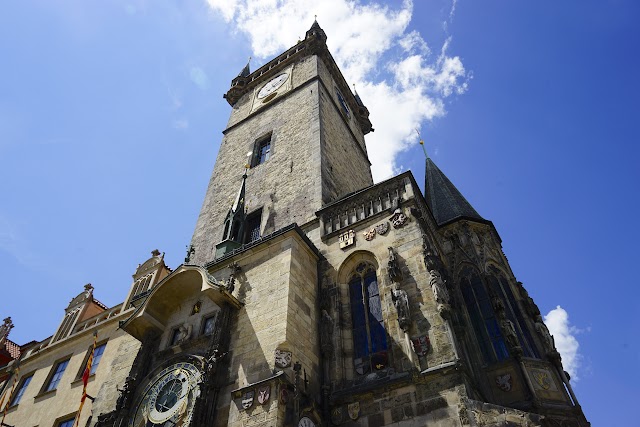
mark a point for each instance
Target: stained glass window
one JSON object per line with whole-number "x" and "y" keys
{"x": 369, "y": 334}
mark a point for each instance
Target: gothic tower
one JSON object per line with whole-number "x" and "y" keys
{"x": 311, "y": 296}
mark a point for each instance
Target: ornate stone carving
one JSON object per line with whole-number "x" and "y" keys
{"x": 530, "y": 306}
{"x": 369, "y": 234}
{"x": 190, "y": 251}
{"x": 5, "y": 328}
{"x": 398, "y": 219}
{"x": 382, "y": 228}
{"x": 235, "y": 270}
{"x": 548, "y": 342}
{"x": 510, "y": 336}
{"x": 401, "y": 302}
{"x": 348, "y": 238}
{"x": 326, "y": 334}
{"x": 392, "y": 266}
{"x": 126, "y": 392}
{"x": 438, "y": 287}
{"x": 184, "y": 333}
{"x": 504, "y": 382}
{"x": 282, "y": 358}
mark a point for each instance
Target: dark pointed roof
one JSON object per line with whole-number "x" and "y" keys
{"x": 245, "y": 71}
{"x": 358, "y": 100}
{"x": 444, "y": 199}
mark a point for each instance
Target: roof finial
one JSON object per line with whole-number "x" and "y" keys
{"x": 422, "y": 143}
{"x": 315, "y": 18}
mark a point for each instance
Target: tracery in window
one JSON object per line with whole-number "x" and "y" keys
{"x": 369, "y": 335}
{"x": 483, "y": 319}
{"x": 501, "y": 288}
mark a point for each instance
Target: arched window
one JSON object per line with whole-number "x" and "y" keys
{"x": 501, "y": 288}
{"x": 483, "y": 318}
{"x": 369, "y": 336}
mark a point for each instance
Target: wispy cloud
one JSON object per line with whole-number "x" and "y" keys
{"x": 564, "y": 334}
{"x": 181, "y": 124}
{"x": 199, "y": 77}
{"x": 391, "y": 66}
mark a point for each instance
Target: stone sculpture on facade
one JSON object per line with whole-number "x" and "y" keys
{"x": 326, "y": 334}
{"x": 392, "y": 266}
{"x": 548, "y": 342}
{"x": 231, "y": 283}
{"x": 184, "y": 333}
{"x": 438, "y": 287}
{"x": 510, "y": 335}
{"x": 401, "y": 302}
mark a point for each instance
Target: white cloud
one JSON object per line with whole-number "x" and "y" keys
{"x": 181, "y": 124}
{"x": 564, "y": 334}
{"x": 199, "y": 77}
{"x": 370, "y": 42}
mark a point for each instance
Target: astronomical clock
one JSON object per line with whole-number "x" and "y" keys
{"x": 169, "y": 398}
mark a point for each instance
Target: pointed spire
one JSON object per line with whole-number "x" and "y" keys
{"x": 315, "y": 31}
{"x": 234, "y": 222}
{"x": 444, "y": 199}
{"x": 245, "y": 71}
{"x": 358, "y": 100}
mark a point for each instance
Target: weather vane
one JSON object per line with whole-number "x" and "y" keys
{"x": 422, "y": 143}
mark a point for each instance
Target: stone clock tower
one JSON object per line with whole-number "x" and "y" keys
{"x": 312, "y": 296}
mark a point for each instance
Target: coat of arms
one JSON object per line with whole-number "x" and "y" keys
{"x": 263, "y": 394}
{"x": 421, "y": 345}
{"x": 347, "y": 239}
{"x": 354, "y": 410}
{"x": 504, "y": 382}
{"x": 247, "y": 399}
{"x": 398, "y": 219}
{"x": 336, "y": 415}
{"x": 381, "y": 229}
{"x": 543, "y": 379}
{"x": 369, "y": 234}
{"x": 283, "y": 358}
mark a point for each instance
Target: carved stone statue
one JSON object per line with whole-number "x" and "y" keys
{"x": 235, "y": 269}
{"x": 392, "y": 266}
{"x": 326, "y": 334}
{"x": 530, "y": 306}
{"x": 509, "y": 331}
{"x": 401, "y": 302}
{"x": 438, "y": 287}
{"x": 125, "y": 392}
{"x": 185, "y": 333}
{"x": 547, "y": 339}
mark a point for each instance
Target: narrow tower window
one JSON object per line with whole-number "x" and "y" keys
{"x": 253, "y": 226}
{"x": 262, "y": 151}
{"x": 369, "y": 336}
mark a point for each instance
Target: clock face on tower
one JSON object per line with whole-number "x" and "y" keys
{"x": 272, "y": 85}
{"x": 169, "y": 398}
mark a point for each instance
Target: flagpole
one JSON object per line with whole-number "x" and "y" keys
{"x": 85, "y": 379}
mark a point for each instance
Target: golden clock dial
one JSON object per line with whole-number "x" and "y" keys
{"x": 169, "y": 398}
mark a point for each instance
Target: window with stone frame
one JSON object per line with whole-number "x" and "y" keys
{"x": 22, "y": 387}
{"x": 208, "y": 324}
{"x": 253, "y": 224}
{"x": 261, "y": 151}
{"x": 97, "y": 356}
{"x": 483, "y": 318}
{"x": 370, "y": 348}
{"x": 55, "y": 375}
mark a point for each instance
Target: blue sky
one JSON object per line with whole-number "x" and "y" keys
{"x": 111, "y": 116}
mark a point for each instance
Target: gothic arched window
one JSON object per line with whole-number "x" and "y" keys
{"x": 369, "y": 336}
{"x": 501, "y": 288}
{"x": 483, "y": 317}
